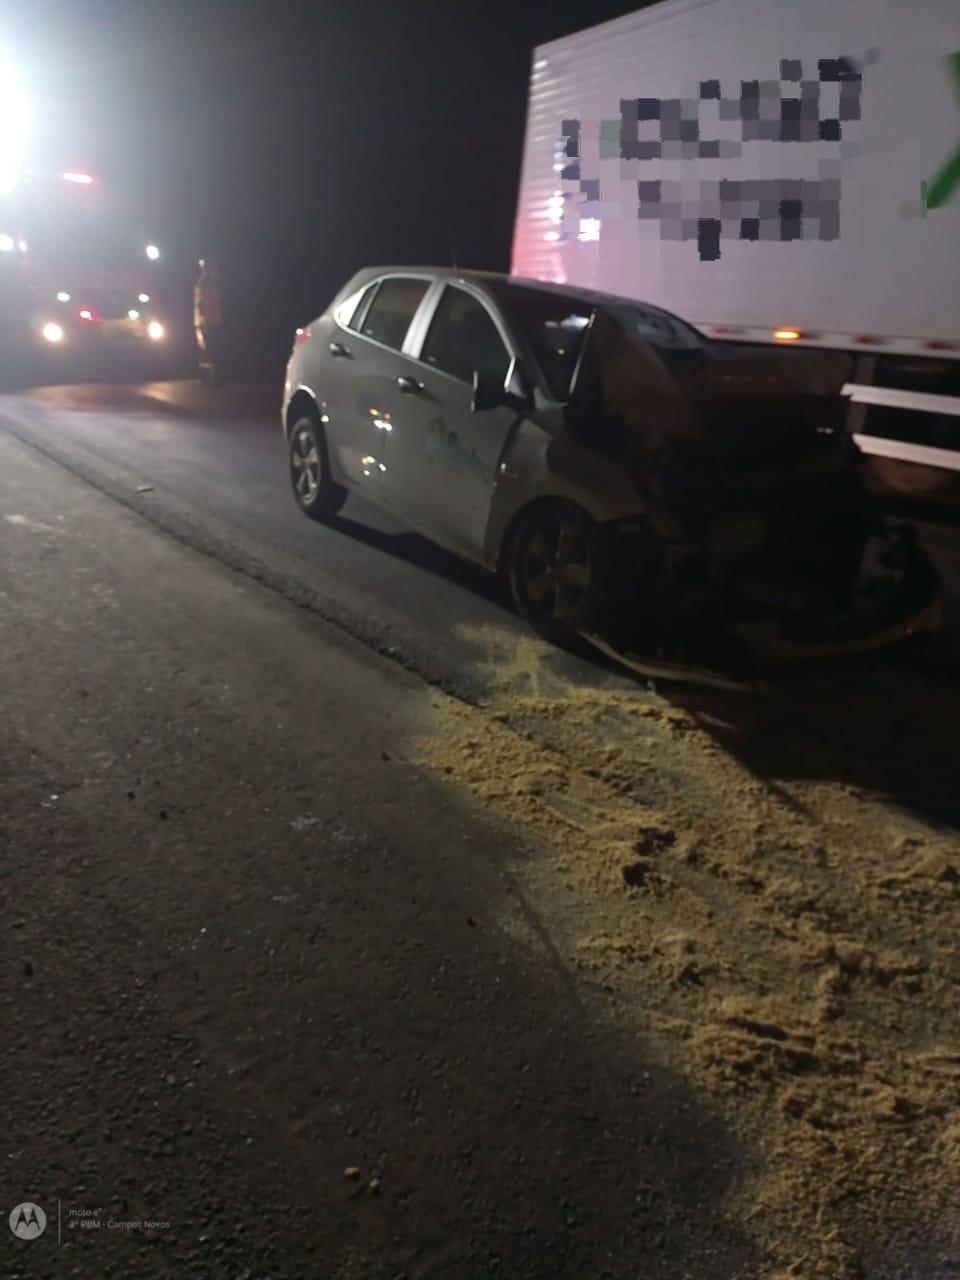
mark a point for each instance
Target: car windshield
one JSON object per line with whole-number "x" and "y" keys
{"x": 66, "y": 226}
{"x": 663, "y": 331}
{"x": 554, "y": 326}
{"x": 680, "y": 347}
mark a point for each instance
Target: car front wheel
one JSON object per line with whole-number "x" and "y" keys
{"x": 315, "y": 492}
{"x": 560, "y": 568}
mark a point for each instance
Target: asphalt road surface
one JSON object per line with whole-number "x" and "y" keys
{"x": 215, "y": 462}
{"x": 269, "y": 1009}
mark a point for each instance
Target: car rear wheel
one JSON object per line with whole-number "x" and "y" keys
{"x": 316, "y": 494}
{"x": 559, "y": 568}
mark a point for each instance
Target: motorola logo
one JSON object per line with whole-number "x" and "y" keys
{"x": 27, "y": 1221}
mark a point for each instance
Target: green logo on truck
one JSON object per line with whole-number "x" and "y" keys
{"x": 943, "y": 185}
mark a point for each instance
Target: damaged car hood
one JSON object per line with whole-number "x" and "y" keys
{"x": 681, "y": 388}
{"x": 770, "y": 406}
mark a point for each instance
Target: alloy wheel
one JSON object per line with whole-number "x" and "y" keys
{"x": 557, "y": 568}
{"x": 305, "y": 461}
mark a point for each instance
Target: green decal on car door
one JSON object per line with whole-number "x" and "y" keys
{"x": 446, "y": 447}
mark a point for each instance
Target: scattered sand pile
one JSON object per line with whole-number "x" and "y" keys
{"x": 797, "y": 944}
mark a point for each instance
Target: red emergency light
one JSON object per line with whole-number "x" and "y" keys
{"x": 83, "y": 179}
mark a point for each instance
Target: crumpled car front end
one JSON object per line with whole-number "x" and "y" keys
{"x": 775, "y": 537}
{"x": 894, "y": 594}
{"x": 752, "y": 518}
{"x": 803, "y": 562}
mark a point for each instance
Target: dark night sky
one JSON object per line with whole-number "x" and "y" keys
{"x": 297, "y": 141}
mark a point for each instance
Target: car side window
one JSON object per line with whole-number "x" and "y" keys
{"x": 389, "y": 315}
{"x": 463, "y": 338}
{"x": 360, "y": 310}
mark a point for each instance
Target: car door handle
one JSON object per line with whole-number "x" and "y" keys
{"x": 338, "y": 349}
{"x": 410, "y": 385}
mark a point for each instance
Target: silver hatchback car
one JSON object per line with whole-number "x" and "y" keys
{"x": 603, "y": 456}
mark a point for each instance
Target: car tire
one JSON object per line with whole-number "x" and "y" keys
{"x": 560, "y": 571}
{"x": 314, "y": 491}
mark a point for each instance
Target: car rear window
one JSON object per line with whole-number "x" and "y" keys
{"x": 360, "y": 306}
{"x": 389, "y": 315}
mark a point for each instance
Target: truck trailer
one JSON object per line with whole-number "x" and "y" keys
{"x": 775, "y": 173}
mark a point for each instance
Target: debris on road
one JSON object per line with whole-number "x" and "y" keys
{"x": 791, "y": 941}
{"x": 306, "y": 822}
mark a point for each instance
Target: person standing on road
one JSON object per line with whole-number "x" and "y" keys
{"x": 208, "y": 321}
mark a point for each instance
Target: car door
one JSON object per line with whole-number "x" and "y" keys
{"x": 362, "y": 362}
{"x": 442, "y": 457}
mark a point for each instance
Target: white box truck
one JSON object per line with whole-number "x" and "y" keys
{"x": 775, "y": 172}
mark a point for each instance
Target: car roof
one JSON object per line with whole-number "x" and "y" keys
{"x": 453, "y": 274}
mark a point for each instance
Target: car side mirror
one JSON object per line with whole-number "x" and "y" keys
{"x": 488, "y": 393}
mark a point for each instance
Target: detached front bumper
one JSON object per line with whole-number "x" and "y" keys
{"x": 900, "y": 597}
